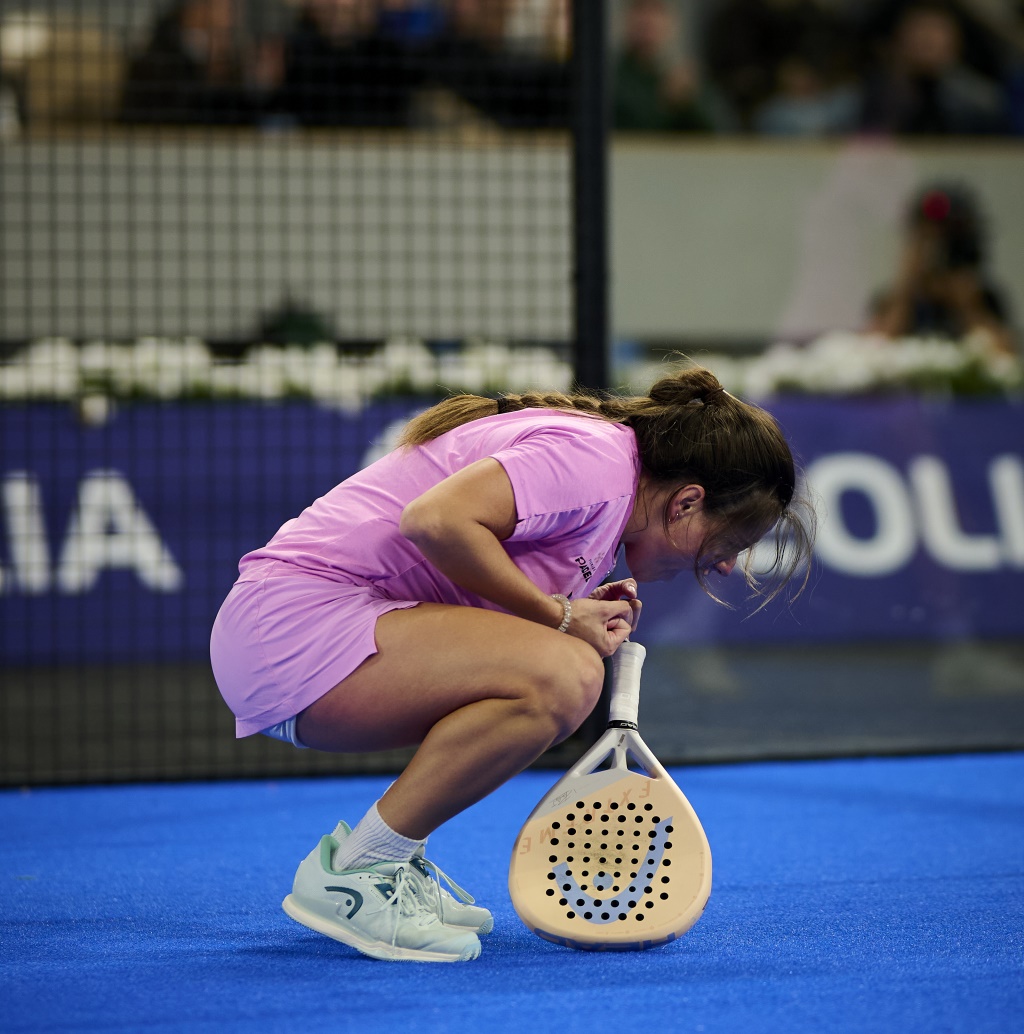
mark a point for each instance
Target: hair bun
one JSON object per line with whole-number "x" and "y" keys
{"x": 693, "y": 385}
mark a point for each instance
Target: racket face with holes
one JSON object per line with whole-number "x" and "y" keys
{"x": 612, "y": 859}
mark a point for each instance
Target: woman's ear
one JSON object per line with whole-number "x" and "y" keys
{"x": 686, "y": 501}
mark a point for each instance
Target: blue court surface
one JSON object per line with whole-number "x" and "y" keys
{"x": 856, "y": 895}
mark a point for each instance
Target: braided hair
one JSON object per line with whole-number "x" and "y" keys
{"x": 689, "y": 430}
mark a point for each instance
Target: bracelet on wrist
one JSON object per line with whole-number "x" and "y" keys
{"x": 566, "y": 611}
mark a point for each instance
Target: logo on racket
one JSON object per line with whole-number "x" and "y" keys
{"x": 623, "y": 899}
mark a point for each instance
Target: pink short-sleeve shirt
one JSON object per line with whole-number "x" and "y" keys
{"x": 574, "y": 478}
{"x": 302, "y": 614}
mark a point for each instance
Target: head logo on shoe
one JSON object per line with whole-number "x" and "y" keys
{"x": 354, "y": 903}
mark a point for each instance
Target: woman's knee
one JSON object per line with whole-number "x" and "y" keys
{"x": 569, "y": 687}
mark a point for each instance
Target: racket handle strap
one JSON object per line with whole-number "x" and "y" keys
{"x": 627, "y": 663}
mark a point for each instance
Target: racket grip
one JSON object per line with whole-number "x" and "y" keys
{"x": 627, "y": 662}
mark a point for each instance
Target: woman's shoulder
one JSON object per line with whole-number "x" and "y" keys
{"x": 579, "y": 424}
{"x": 563, "y": 430}
{"x": 569, "y": 440}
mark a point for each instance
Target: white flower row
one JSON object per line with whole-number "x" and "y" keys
{"x": 858, "y": 364}
{"x": 836, "y": 364}
{"x": 57, "y": 369}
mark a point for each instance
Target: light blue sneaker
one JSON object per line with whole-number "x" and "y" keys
{"x": 380, "y": 911}
{"x": 455, "y": 910}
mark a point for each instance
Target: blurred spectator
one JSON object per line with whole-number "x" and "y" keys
{"x": 413, "y": 23}
{"x": 361, "y": 63}
{"x": 941, "y": 287}
{"x": 354, "y": 63}
{"x": 921, "y": 85}
{"x": 807, "y": 103}
{"x": 653, "y": 89}
{"x": 10, "y": 113}
{"x": 485, "y": 58}
{"x": 982, "y": 25}
{"x": 60, "y": 67}
{"x": 202, "y": 66}
{"x": 1003, "y": 23}
{"x": 748, "y": 42}
{"x": 539, "y": 27}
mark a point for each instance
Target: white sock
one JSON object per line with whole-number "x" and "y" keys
{"x": 372, "y": 841}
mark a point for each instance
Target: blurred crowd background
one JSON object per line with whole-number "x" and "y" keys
{"x": 804, "y": 68}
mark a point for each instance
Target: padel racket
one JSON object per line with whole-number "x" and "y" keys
{"x": 614, "y": 857}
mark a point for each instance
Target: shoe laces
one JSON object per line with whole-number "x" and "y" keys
{"x": 406, "y": 903}
{"x": 433, "y": 875}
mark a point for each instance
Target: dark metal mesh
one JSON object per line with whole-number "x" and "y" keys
{"x": 241, "y": 241}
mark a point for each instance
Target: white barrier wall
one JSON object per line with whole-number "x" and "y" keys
{"x": 118, "y": 236}
{"x": 175, "y": 233}
{"x": 753, "y": 240}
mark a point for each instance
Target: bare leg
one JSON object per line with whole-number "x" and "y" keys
{"x": 484, "y": 694}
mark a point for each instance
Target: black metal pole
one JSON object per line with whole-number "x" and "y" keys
{"x": 590, "y": 108}
{"x": 592, "y": 335}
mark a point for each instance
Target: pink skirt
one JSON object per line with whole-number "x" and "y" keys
{"x": 283, "y": 638}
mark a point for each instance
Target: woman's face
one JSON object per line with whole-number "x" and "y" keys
{"x": 657, "y": 552}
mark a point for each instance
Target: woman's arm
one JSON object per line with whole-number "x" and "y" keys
{"x": 459, "y": 526}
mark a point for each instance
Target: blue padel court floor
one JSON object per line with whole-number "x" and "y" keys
{"x": 866, "y": 895}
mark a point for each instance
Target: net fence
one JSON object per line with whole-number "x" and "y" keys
{"x": 241, "y": 243}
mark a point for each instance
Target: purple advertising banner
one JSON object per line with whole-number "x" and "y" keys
{"x": 118, "y": 542}
{"x": 921, "y": 529}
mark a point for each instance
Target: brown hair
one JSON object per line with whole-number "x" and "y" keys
{"x": 689, "y": 430}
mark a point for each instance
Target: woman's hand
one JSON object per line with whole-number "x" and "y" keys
{"x": 459, "y": 525}
{"x": 621, "y": 590}
{"x": 606, "y": 617}
{"x": 604, "y": 624}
